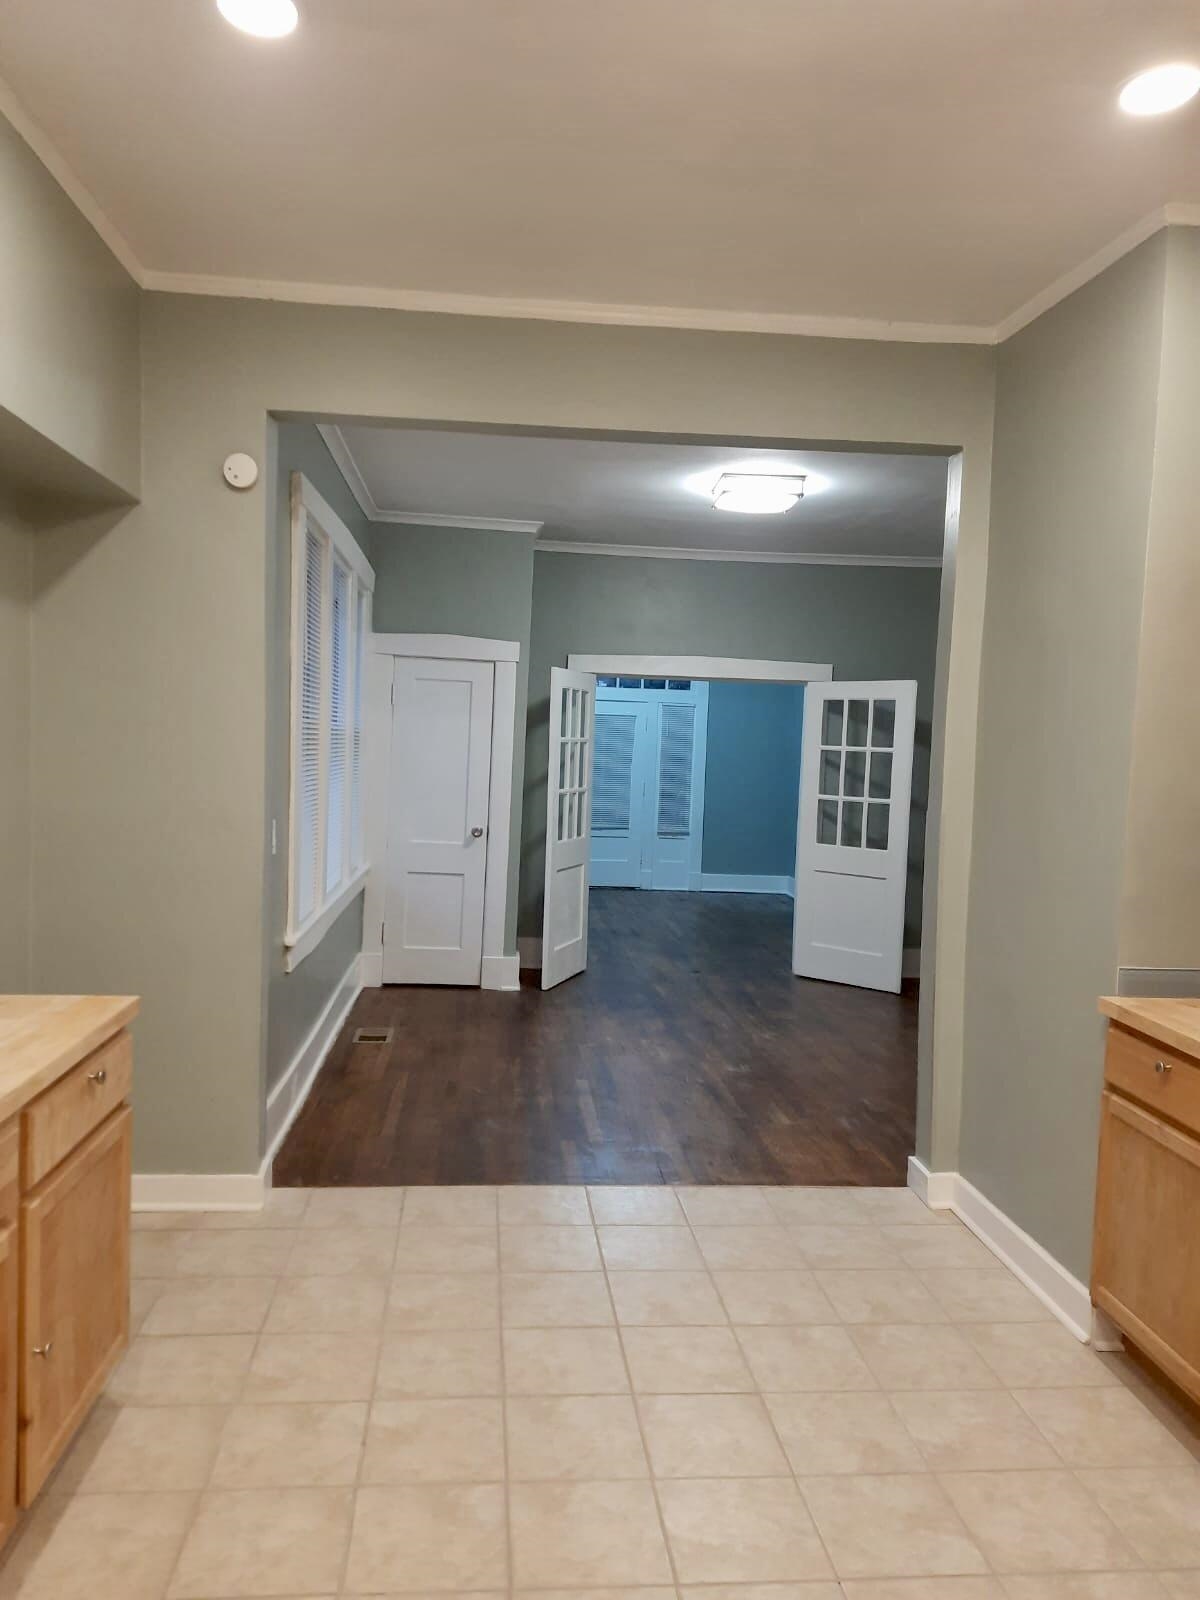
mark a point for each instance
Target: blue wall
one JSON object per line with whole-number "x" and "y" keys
{"x": 752, "y": 777}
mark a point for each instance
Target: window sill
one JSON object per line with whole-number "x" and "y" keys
{"x": 306, "y": 939}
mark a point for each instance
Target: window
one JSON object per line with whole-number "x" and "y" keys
{"x": 332, "y": 583}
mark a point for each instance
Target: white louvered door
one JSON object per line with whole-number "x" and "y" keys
{"x": 620, "y": 790}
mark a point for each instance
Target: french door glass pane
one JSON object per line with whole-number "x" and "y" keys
{"x": 852, "y": 822}
{"x": 856, "y": 772}
{"x": 878, "y": 821}
{"x": 881, "y": 774}
{"x": 883, "y": 725}
{"x": 831, "y": 722}
{"x": 827, "y": 820}
{"x": 831, "y": 772}
{"x": 858, "y": 714}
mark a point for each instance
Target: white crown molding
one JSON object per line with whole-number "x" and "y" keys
{"x": 805, "y": 558}
{"x": 335, "y": 441}
{"x": 441, "y": 519}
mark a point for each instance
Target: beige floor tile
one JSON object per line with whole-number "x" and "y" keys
{"x": 724, "y": 1205}
{"x": 610, "y": 1593}
{"x": 283, "y": 1208}
{"x": 969, "y": 1294}
{"x": 208, "y": 1369}
{"x": 586, "y": 1534}
{"x": 344, "y": 1304}
{"x": 936, "y": 1248}
{"x": 313, "y": 1367}
{"x": 976, "y": 1430}
{"x": 1106, "y": 1427}
{"x": 435, "y": 1441}
{"x": 900, "y": 1205}
{"x": 576, "y": 1436}
{"x": 210, "y": 1305}
{"x": 710, "y": 1436}
{"x": 548, "y": 1204}
{"x": 264, "y": 1542}
{"x": 894, "y": 1526}
{"x": 443, "y": 1300}
{"x": 666, "y": 1299}
{"x": 143, "y": 1295}
{"x": 740, "y": 1530}
{"x": 541, "y": 1248}
{"x": 787, "y": 1296}
{"x": 638, "y": 1248}
{"x": 154, "y": 1254}
{"x": 135, "y": 1448}
{"x": 633, "y": 1203}
{"x": 1158, "y": 1510}
{"x": 1177, "y": 1585}
{"x": 353, "y": 1208}
{"x": 923, "y": 1589}
{"x": 462, "y": 1205}
{"x": 97, "y": 1547}
{"x": 427, "y": 1536}
{"x": 563, "y": 1361}
{"x": 250, "y": 1253}
{"x": 685, "y": 1361}
{"x": 816, "y": 1589}
{"x": 743, "y": 1249}
{"x": 1035, "y": 1355}
{"x": 832, "y": 1245}
{"x": 833, "y": 1433}
{"x": 555, "y": 1300}
{"x": 290, "y": 1446}
{"x": 1091, "y": 1586}
{"x": 909, "y": 1356}
{"x": 816, "y": 1206}
{"x": 802, "y": 1359}
{"x": 449, "y": 1363}
{"x": 870, "y": 1296}
{"x": 341, "y": 1252}
{"x": 1037, "y": 1522}
{"x": 433, "y": 1248}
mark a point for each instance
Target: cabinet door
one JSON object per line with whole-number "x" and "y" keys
{"x": 1146, "y": 1259}
{"x": 9, "y": 1298}
{"x": 75, "y": 1302}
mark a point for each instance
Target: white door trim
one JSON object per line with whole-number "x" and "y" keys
{"x": 727, "y": 669}
{"x": 500, "y": 968}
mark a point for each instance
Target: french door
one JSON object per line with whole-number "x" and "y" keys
{"x": 852, "y": 832}
{"x": 568, "y": 824}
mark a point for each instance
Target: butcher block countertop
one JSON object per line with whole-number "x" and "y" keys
{"x": 44, "y": 1035}
{"x": 1175, "y": 1023}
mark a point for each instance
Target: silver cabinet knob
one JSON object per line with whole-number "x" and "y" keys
{"x": 99, "y": 1076}
{"x": 477, "y": 833}
{"x": 1162, "y": 1067}
{"x": 43, "y": 1350}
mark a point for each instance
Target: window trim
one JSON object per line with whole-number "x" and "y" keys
{"x": 310, "y": 511}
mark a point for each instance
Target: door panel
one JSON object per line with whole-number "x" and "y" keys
{"x": 852, "y": 832}
{"x": 10, "y": 1295}
{"x": 568, "y": 824}
{"x": 618, "y": 797}
{"x": 438, "y": 815}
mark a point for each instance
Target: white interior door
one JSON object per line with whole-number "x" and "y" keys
{"x": 619, "y": 785}
{"x": 438, "y": 819}
{"x": 568, "y": 824}
{"x": 852, "y": 832}
{"x": 680, "y": 729}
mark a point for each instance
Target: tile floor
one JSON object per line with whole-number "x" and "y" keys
{"x": 607, "y": 1394}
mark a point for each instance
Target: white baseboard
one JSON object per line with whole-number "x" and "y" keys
{"x": 1059, "y": 1290}
{"x": 371, "y": 967}
{"x": 501, "y": 972}
{"x": 292, "y": 1090}
{"x": 199, "y": 1191}
{"x": 529, "y": 951}
{"x": 743, "y": 883}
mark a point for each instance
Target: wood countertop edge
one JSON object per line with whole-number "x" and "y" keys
{"x": 100, "y": 1017}
{"x": 1158, "y": 1019}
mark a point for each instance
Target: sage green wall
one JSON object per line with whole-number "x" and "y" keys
{"x": 295, "y": 1000}
{"x": 468, "y": 581}
{"x": 69, "y": 320}
{"x": 16, "y": 646}
{"x": 870, "y": 622}
{"x": 1076, "y": 404}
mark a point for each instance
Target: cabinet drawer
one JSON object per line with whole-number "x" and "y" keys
{"x": 10, "y": 1171}
{"x": 1162, "y": 1079}
{"x": 54, "y": 1123}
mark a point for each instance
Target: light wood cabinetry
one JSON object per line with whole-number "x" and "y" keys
{"x": 1146, "y": 1248}
{"x": 65, "y": 1161}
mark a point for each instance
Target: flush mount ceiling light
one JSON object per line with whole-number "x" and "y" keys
{"x": 266, "y": 19}
{"x": 1161, "y": 89}
{"x": 757, "y": 493}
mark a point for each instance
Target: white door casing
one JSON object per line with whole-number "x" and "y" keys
{"x": 852, "y": 832}
{"x": 438, "y": 819}
{"x": 568, "y": 824}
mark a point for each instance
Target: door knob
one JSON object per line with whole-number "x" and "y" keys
{"x": 477, "y": 833}
{"x": 43, "y": 1350}
{"x": 1162, "y": 1067}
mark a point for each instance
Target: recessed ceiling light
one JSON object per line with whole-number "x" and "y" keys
{"x": 1161, "y": 89}
{"x": 756, "y": 493}
{"x": 267, "y": 19}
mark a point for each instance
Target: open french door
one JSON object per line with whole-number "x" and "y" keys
{"x": 568, "y": 824}
{"x": 852, "y": 832}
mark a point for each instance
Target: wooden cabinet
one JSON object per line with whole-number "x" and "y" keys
{"x": 9, "y": 1376}
{"x": 1146, "y": 1249}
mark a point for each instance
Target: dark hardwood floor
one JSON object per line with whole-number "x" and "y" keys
{"x": 686, "y": 1053}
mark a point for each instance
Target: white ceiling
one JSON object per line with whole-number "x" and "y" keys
{"x": 932, "y": 162}
{"x": 631, "y": 494}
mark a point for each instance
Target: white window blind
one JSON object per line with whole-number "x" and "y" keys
{"x": 332, "y": 583}
{"x": 677, "y": 737}
{"x": 612, "y": 775}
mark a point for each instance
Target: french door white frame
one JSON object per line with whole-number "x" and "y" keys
{"x": 725, "y": 669}
{"x": 499, "y": 970}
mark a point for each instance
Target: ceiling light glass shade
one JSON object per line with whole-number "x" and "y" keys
{"x": 1161, "y": 89}
{"x": 756, "y": 494}
{"x": 267, "y": 19}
